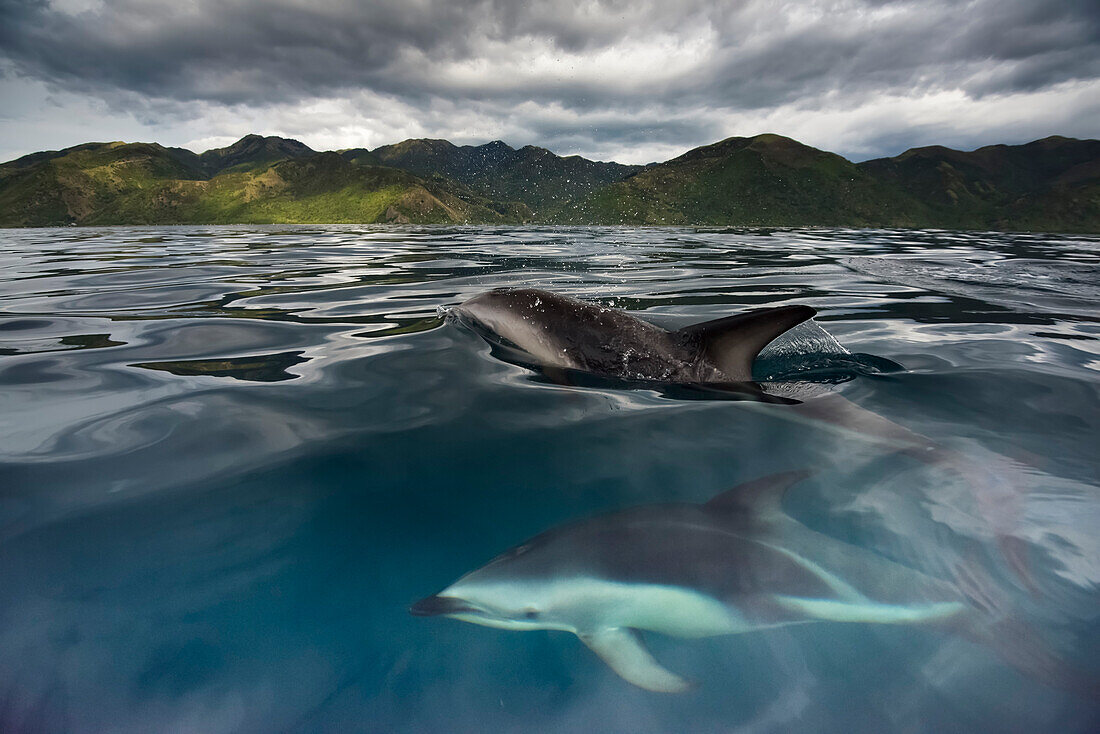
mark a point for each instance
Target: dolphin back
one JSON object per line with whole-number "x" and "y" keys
{"x": 732, "y": 343}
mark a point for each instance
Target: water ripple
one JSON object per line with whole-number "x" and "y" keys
{"x": 230, "y": 457}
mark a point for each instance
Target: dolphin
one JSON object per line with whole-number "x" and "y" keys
{"x": 735, "y": 564}
{"x": 564, "y": 333}
{"x": 574, "y": 342}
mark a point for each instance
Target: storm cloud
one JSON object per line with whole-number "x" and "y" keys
{"x": 605, "y": 78}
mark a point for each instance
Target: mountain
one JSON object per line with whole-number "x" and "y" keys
{"x": 360, "y": 156}
{"x": 145, "y": 183}
{"x": 87, "y": 182}
{"x": 247, "y": 154}
{"x": 764, "y": 180}
{"x": 1051, "y": 184}
{"x": 532, "y": 175}
{"x": 767, "y": 180}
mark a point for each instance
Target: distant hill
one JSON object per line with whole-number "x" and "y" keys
{"x": 763, "y": 180}
{"x": 532, "y": 175}
{"x": 361, "y": 156}
{"x": 250, "y": 153}
{"x": 143, "y": 183}
{"x": 1049, "y": 184}
{"x": 767, "y": 180}
{"x": 247, "y": 154}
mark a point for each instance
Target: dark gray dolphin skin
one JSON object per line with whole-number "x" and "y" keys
{"x": 562, "y": 332}
{"x": 735, "y": 564}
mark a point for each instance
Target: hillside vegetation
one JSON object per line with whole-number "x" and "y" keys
{"x": 532, "y": 175}
{"x": 1051, "y": 184}
{"x": 767, "y": 180}
{"x": 140, "y": 183}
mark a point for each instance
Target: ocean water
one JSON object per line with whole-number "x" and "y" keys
{"x": 232, "y": 457}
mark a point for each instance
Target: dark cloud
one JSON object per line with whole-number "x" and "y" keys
{"x": 270, "y": 50}
{"x": 622, "y": 58}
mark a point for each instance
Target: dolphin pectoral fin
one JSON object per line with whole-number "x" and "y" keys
{"x": 733, "y": 342}
{"x": 623, "y": 650}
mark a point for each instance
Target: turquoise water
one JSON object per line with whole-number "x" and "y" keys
{"x": 232, "y": 457}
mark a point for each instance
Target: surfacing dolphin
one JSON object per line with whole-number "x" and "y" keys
{"x": 559, "y": 332}
{"x": 735, "y": 564}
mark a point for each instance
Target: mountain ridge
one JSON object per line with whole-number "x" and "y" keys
{"x": 530, "y": 174}
{"x": 146, "y": 183}
{"x": 1050, "y": 184}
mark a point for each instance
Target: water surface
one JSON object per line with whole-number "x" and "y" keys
{"x": 231, "y": 457}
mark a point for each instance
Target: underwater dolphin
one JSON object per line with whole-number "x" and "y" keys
{"x": 735, "y": 564}
{"x": 562, "y": 332}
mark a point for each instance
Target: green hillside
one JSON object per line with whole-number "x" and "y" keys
{"x": 361, "y": 156}
{"x": 767, "y": 180}
{"x": 250, "y": 153}
{"x": 1050, "y": 184}
{"x": 532, "y": 175}
{"x": 140, "y": 183}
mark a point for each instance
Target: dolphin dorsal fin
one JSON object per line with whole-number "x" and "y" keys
{"x": 623, "y": 650}
{"x": 732, "y": 343}
{"x": 760, "y": 497}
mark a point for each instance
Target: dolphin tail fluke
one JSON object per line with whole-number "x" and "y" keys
{"x": 623, "y": 650}
{"x": 1021, "y": 646}
{"x": 1013, "y": 640}
{"x": 733, "y": 342}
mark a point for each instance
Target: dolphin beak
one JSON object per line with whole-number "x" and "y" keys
{"x": 461, "y": 315}
{"x": 434, "y": 606}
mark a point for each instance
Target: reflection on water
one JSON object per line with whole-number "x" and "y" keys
{"x": 260, "y": 368}
{"x": 182, "y": 552}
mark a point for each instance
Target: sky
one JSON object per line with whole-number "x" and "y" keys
{"x": 633, "y": 82}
